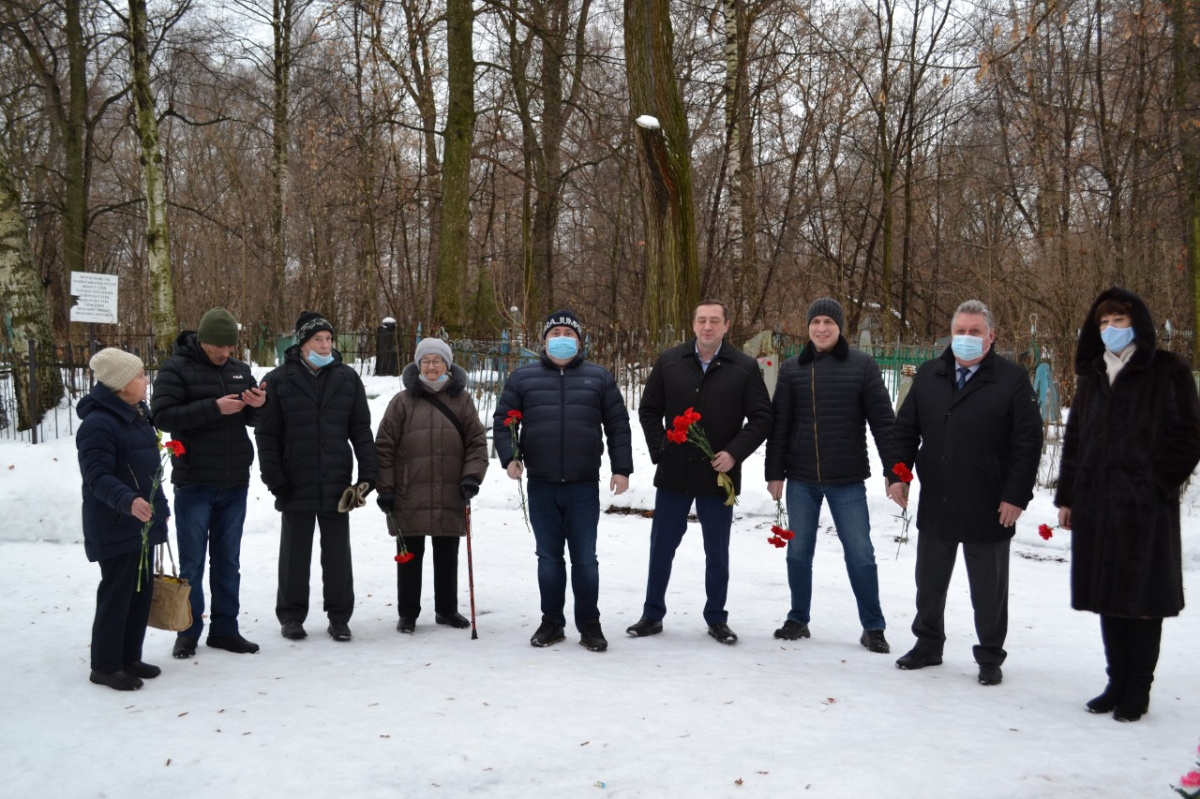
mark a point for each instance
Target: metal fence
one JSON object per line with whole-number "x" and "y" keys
{"x": 628, "y": 354}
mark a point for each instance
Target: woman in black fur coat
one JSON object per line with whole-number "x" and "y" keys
{"x": 1132, "y": 440}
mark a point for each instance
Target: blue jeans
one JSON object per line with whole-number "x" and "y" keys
{"x": 848, "y": 505}
{"x": 210, "y": 518}
{"x": 566, "y": 515}
{"x": 670, "y": 523}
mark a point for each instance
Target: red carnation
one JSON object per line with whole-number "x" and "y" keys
{"x": 1045, "y": 531}
{"x": 404, "y": 557}
{"x": 174, "y": 447}
{"x": 513, "y": 415}
{"x": 902, "y": 471}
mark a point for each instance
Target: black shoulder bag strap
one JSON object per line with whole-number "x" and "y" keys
{"x": 441, "y": 406}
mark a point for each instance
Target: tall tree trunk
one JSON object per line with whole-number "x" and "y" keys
{"x": 158, "y": 254}
{"x": 282, "y": 19}
{"x": 740, "y": 154}
{"x": 1185, "y": 22}
{"x": 23, "y": 296}
{"x": 672, "y": 270}
{"x": 454, "y": 242}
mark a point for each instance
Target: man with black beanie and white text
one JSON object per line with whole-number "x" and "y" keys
{"x": 314, "y": 427}
{"x": 569, "y": 407}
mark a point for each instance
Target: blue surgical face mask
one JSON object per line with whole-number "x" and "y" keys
{"x": 434, "y": 385}
{"x": 318, "y": 360}
{"x": 562, "y": 347}
{"x": 967, "y": 348}
{"x": 1116, "y": 338}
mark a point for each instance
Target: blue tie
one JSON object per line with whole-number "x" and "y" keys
{"x": 963, "y": 372}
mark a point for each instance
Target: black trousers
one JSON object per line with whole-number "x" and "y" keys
{"x": 445, "y": 575}
{"x": 987, "y": 576}
{"x": 295, "y": 559}
{"x": 121, "y": 613}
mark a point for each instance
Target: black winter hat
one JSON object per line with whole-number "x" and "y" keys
{"x": 309, "y": 324}
{"x": 562, "y": 318}
{"x": 828, "y": 306}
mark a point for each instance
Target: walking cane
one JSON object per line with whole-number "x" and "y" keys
{"x": 471, "y": 573}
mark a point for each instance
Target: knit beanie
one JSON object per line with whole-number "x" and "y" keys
{"x": 433, "y": 346}
{"x": 562, "y": 319}
{"x": 827, "y": 306}
{"x": 309, "y": 324}
{"x": 219, "y": 328}
{"x": 115, "y": 368}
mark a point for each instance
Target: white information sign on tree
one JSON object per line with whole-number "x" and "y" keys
{"x": 95, "y": 298}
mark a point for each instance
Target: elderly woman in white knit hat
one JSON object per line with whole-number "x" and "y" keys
{"x": 432, "y": 457}
{"x": 119, "y": 459}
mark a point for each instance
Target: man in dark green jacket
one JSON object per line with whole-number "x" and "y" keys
{"x": 725, "y": 387}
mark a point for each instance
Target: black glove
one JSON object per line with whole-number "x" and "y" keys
{"x": 384, "y": 501}
{"x": 282, "y": 492}
{"x": 469, "y": 487}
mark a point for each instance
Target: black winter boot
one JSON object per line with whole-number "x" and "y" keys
{"x": 1145, "y": 636}
{"x": 1113, "y": 631}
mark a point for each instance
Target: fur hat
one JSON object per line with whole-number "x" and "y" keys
{"x": 219, "y": 328}
{"x": 115, "y": 368}
{"x": 827, "y": 306}
{"x": 309, "y": 324}
{"x": 433, "y": 346}
{"x": 562, "y": 318}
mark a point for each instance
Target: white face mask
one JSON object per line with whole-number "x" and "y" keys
{"x": 967, "y": 348}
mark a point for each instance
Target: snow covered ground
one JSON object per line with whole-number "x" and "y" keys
{"x": 438, "y": 714}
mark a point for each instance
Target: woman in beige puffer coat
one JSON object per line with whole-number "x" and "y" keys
{"x": 429, "y": 469}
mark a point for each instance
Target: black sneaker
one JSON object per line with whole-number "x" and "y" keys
{"x": 722, "y": 633}
{"x": 918, "y": 659}
{"x": 455, "y": 619}
{"x": 592, "y": 637}
{"x": 232, "y": 643}
{"x": 874, "y": 641}
{"x": 185, "y": 647}
{"x": 549, "y": 634}
{"x": 293, "y": 630}
{"x": 406, "y": 625}
{"x": 117, "y": 680}
{"x": 792, "y": 631}
{"x": 141, "y": 670}
{"x": 339, "y": 631}
{"x": 644, "y": 627}
{"x": 990, "y": 674}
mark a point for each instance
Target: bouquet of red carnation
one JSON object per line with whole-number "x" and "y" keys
{"x": 780, "y": 534}
{"x": 403, "y": 556}
{"x": 905, "y": 474}
{"x": 513, "y": 422}
{"x": 685, "y": 429}
{"x": 170, "y": 448}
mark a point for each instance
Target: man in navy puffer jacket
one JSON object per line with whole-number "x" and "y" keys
{"x": 565, "y": 403}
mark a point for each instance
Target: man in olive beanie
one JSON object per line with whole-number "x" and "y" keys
{"x": 205, "y": 398}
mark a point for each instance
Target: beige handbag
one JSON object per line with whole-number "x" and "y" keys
{"x": 171, "y": 606}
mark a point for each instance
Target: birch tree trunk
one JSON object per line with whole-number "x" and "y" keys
{"x": 672, "y": 271}
{"x": 163, "y": 320}
{"x": 22, "y": 295}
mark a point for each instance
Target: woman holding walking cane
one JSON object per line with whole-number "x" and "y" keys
{"x": 432, "y": 458}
